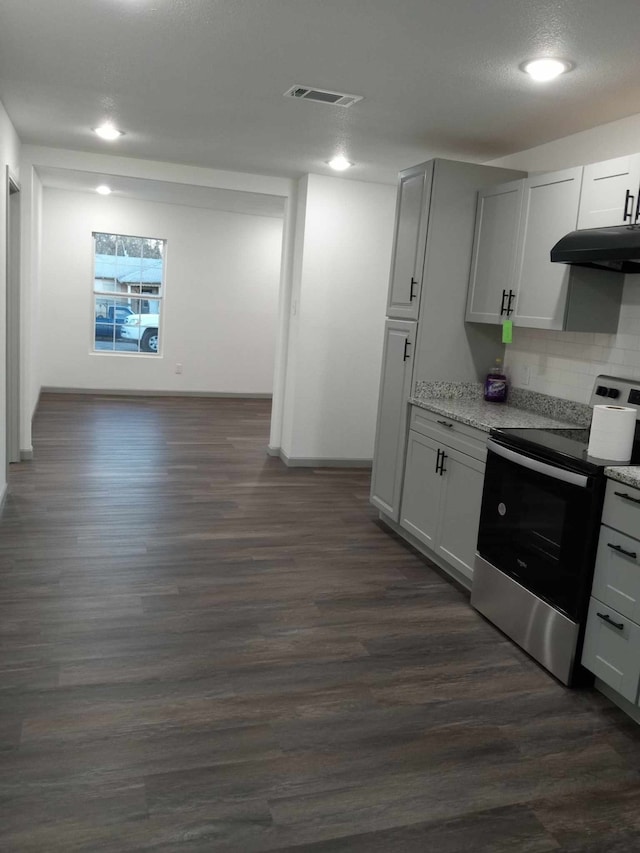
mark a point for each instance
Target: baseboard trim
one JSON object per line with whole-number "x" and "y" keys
{"x": 273, "y": 451}
{"x": 445, "y": 568}
{"x": 317, "y": 462}
{"x": 26, "y": 455}
{"x": 127, "y": 392}
{"x": 3, "y": 497}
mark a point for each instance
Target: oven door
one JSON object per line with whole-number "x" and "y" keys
{"x": 539, "y": 526}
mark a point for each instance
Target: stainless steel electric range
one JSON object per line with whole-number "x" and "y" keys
{"x": 538, "y": 534}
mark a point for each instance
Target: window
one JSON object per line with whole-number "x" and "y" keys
{"x": 128, "y": 288}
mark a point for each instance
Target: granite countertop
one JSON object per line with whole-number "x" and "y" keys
{"x": 463, "y": 402}
{"x": 629, "y": 474}
{"x": 486, "y": 416}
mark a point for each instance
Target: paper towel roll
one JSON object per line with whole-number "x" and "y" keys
{"x": 612, "y": 433}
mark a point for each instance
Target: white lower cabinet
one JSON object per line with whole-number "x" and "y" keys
{"x": 612, "y": 636}
{"x": 612, "y": 649}
{"x": 442, "y": 490}
{"x": 422, "y": 488}
{"x": 460, "y": 510}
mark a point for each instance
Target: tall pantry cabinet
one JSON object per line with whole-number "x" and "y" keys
{"x": 425, "y": 334}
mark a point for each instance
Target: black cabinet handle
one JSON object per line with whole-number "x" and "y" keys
{"x": 606, "y": 618}
{"x": 622, "y": 551}
{"x": 637, "y": 216}
{"x": 628, "y": 213}
{"x": 412, "y": 295}
{"x": 445, "y": 423}
{"x": 502, "y": 306}
{"x": 509, "y": 308}
{"x": 443, "y": 470}
{"x": 407, "y": 344}
{"x": 438, "y": 461}
{"x": 627, "y": 497}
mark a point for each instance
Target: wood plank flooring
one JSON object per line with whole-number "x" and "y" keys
{"x": 202, "y": 650}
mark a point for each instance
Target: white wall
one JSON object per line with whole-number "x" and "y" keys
{"x": 30, "y": 256}
{"x": 9, "y": 156}
{"x": 222, "y": 278}
{"x": 340, "y": 276}
{"x": 566, "y": 363}
{"x": 603, "y": 142}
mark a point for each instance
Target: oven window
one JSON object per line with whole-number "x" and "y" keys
{"x": 534, "y": 528}
{"x": 541, "y": 517}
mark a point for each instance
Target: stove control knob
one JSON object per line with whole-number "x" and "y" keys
{"x": 613, "y": 393}
{"x": 601, "y": 391}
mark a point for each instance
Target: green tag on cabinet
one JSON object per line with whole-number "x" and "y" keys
{"x": 507, "y": 332}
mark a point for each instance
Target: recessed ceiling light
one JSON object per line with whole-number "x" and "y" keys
{"x": 545, "y": 69}
{"x": 339, "y": 163}
{"x": 108, "y": 131}
{"x": 103, "y": 189}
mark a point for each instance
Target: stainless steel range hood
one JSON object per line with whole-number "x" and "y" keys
{"x": 616, "y": 248}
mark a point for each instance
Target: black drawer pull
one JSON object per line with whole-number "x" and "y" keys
{"x": 502, "y": 306}
{"x": 445, "y": 423}
{"x": 621, "y": 550}
{"x": 628, "y": 208}
{"x": 606, "y": 618}
{"x": 627, "y": 497}
{"x": 407, "y": 344}
{"x": 443, "y": 470}
{"x": 412, "y": 295}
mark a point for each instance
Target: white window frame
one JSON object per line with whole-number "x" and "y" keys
{"x": 127, "y": 296}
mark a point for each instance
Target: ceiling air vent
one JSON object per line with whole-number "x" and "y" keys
{"x": 322, "y": 96}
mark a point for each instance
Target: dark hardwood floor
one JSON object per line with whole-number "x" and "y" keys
{"x": 202, "y": 650}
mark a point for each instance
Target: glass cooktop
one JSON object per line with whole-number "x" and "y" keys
{"x": 567, "y": 447}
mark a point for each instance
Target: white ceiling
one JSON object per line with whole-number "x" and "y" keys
{"x": 257, "y": 204}
{"x": 201, "y": 81}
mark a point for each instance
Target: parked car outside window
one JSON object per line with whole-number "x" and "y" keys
{"x": 109, "y": 325}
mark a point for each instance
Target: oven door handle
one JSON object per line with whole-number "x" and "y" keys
{"x": 540, "y": 467}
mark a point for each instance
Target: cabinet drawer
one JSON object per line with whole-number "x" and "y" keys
{"x": 616, "y": 581}
{"x": 612, "y": 649}
{"x": 622, "y": 508}
{"x": 466, "y": 439}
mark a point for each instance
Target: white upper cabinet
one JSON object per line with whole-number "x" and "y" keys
{"x": 517, "y": 225}
{"x": 549, "y": 211}
{"x": 493, "y": 263}
{"x": 609, "y": 192}
{"x": 407, "y": 261}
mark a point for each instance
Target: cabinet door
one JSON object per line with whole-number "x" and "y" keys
{"x": 616, "y": 580}
{"x": 612, "y": 649}
{"x": 462, "y": 483}
{"x": 407, "y": 260}
{"x": 395, "y": 386}
{"x": 607, "y": 188}
{"x": 549, "y": 211}
{"x": 421, "y": 491}
{"x": 622, "y": 508}
{"x": 493, "y": 265}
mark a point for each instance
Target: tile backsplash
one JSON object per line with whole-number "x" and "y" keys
{"x": 564, "y": 364}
